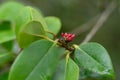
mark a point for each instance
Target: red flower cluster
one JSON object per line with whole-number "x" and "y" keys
{"x": 67, "y": 36}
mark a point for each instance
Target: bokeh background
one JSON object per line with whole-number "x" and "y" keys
{"x": 75, "y": 13}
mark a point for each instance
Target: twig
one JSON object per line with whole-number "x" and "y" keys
{"x": 100, "y": 21}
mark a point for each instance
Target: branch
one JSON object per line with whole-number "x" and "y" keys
{"x": 100, "y": 21}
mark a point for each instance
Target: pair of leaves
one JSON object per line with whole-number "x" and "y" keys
{"x": 29, "y": 22}
{"x": 91, "y": 56}
{"x": 67, "y": 69}
{"x": 34, "y": 26}
{"x": 41, "y": 59}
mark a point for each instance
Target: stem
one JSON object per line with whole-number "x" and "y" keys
{"x": 52, "y": 34}
{"x": 45, "y": 37}
{"x": 65, "y": 45}
{"x": 100, "y": 21}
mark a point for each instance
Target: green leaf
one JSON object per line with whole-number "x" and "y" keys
{"x": 93, "y": 57}
{"x": 31, "y": 32}
{"x": 54, "y": 24}
{"x": 60, "y": 70}
{"x": 37, "y": 62}
{"x": 67, "y": 70}
{"x": 29, "y": 14}
{"x": 30, "y": 25}
{"x": 7, "y": 36}
{"x": 72, "y": 70}
{"x": 10, "y": 10}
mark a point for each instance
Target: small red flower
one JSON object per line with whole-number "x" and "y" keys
{"x": 67, "y": 36}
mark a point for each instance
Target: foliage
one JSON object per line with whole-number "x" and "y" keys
{"x": 40, "y": 54}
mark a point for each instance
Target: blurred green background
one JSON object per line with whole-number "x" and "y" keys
{"x": 74, "y": 13}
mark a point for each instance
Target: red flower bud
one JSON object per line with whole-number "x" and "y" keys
{"x": 67, "y": 36}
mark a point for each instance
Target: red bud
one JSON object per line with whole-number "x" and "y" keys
{"x": 67, "y": 36}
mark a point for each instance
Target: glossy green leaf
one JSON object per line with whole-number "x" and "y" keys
{"x": 67, "y": 70}
{"x": 60, "y": 70}
{"x": 29, "y": 26}
{"x": 31, "y": 32}
{"x": 29, "y": 14}
{"x": 10, "y": 10}
{"x": 37, "y": 62}
{"x": 7, "y": 36}
{"x": 37, "y": 16}
{"x": 72, "y": 70}
{"x": 54, "y": 24}
{"x": 94, "y": 58}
